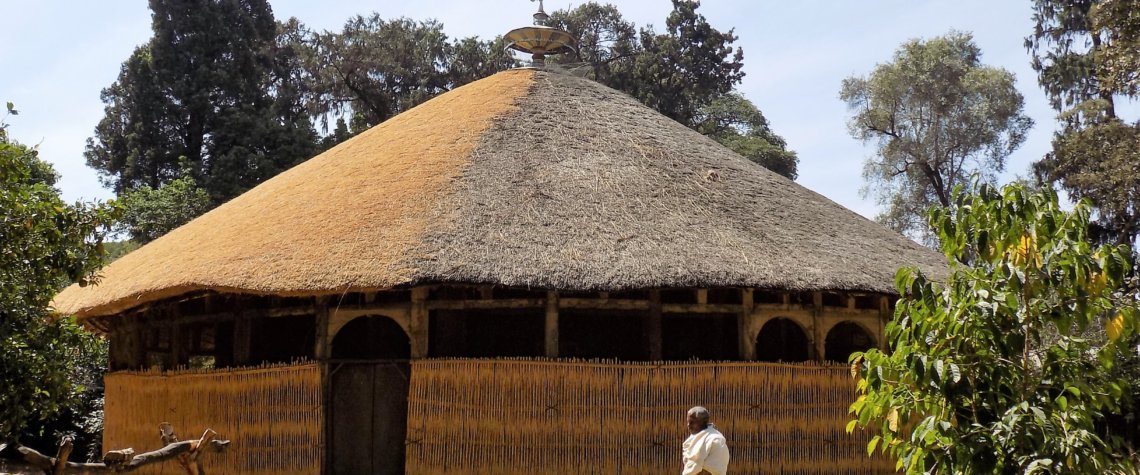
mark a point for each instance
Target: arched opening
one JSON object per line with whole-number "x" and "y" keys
{"x": 782, "y": 339}
{"x": 844, "y": 339}
{"x": 371, "y": 338}
{"x": 369, "y": 375}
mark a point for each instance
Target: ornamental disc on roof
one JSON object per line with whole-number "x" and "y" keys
{"x": 540, "y": 40}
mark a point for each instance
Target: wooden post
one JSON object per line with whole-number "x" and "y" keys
{"x": 703, "y": 296}
{"x": 61, "y": 456}
{"x": 418, "y": 323}
{"x": 817, "y": 325}
{"x": 321, "y": 350}
{"x": 653, "y": 326}
{"x": 551, "y": 324}
{"x": 744, "y": 326}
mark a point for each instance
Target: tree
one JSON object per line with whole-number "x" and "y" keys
{"x": 937, "y": 116}
{"x": 986, "y": 372}
{"x": 736, "y": 123}
{"x": 1086, "y": 54}
{"x": 45, "y": 244}
{"x": 213, "y": 92}
{"x": 688, "y": 74}
{"x": 677, "y": 73}
{"x": 149, "y": 213}
{"x": 374, "y": 68}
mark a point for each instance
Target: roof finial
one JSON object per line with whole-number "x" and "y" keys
{"x": 540, "y": 40}
{"x": 540, "y": 16}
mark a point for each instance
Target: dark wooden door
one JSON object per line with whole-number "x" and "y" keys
{"x": 369, "y": 414}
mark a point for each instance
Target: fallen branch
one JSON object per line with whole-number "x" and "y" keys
{"x": 120, "y": 461}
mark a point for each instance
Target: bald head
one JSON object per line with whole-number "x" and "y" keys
{"x": 697, "y": 419}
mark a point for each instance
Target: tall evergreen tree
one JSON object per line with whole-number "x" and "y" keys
{"x": 212, "y": 93}
{"x": 1085, "y": 53}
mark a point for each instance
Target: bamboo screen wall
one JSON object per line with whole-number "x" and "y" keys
{"x": 558, "y": 417}
{"x": 271, "y": 415}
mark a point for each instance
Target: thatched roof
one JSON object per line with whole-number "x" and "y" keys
{"x": 526, "y": 178}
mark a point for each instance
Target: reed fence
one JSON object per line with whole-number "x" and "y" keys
{"x": 566, "y": 417}
{"x": 271, "y": 414}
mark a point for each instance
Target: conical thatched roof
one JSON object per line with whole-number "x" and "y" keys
{"x": 526, "y": 178}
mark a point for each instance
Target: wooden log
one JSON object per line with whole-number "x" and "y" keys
{"x": 47, "y": 464}
{"x": 61, "y": 455}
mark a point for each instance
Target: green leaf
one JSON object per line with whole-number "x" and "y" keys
{"x": 872, "y": 444}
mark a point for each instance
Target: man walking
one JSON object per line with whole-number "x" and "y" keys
{"x": 705, "y": 451}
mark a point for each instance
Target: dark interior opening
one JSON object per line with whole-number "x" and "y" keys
{"x": 517, "y": 293}
{"x": 487, "y": 333}
{"x": 762, "y": 297}
{"x": 831, "y": 299}
{"x": 844, "y": 339}
{"x": 702, "y": 336}
{"x": 724, "y": 296}
{"x": 868, "y": 302}
{"x": 782, "y": 339}
{"x": 283, "y": 339}
{"x": 374, "y": 337}
{"x": 678, "y": 296}
{"x": 586, "y": 333}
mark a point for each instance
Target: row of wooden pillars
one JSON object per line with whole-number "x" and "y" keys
{"x": 815, "y": 319}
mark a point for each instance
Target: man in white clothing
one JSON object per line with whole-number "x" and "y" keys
{"x": 705, "y": 451}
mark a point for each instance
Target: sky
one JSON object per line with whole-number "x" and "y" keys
{"x": 59, "y": 54}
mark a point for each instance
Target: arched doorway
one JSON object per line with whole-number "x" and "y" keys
{"x": 368, "y": 373}
{"x": 781, "y": 339}
{"x": 846, "y": 338}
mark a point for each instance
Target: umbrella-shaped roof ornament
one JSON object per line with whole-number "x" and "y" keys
{"x": 540, "y": 40}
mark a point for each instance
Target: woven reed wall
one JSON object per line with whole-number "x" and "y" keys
{"x": 272, "y": 416}
{"x": 558, "y": 417}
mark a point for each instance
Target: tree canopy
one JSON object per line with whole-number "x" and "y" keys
{"x": 223, "y": 96}
{"x": 211, "y": 93}
{"x": 989, "y": 372}
{"x": 687, "y": 73}
{"x": 937, "y": 116}
{"x": 1086, "y": 54}
{"x": 45, "y": 244}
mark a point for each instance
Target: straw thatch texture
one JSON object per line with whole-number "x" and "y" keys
{"x": 518, "y": 416}
{"x": 271, "y": 415}
{"x": 583, "y": 187}
{"x": 344, "y": 219}
{"x": 526, "y": 178}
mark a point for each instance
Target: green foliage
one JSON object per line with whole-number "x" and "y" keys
{"x": 1119, "y": 58}
{"x": 44, "y": 245}
{"x": 1086, "y": 54}
{"x": 216, "y": 90}
{"x": 938, "y": 116}
{"x": 736, "y": 123}
{"x": 374, "y": 68}
{"x": 677, "y": 73}
{"x": 987, "y": 371}
{"x": 149, "y": 213}
{"x": 687, "y": 73}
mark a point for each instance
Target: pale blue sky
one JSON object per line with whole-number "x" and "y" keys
{"x": 58, "y": 55}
